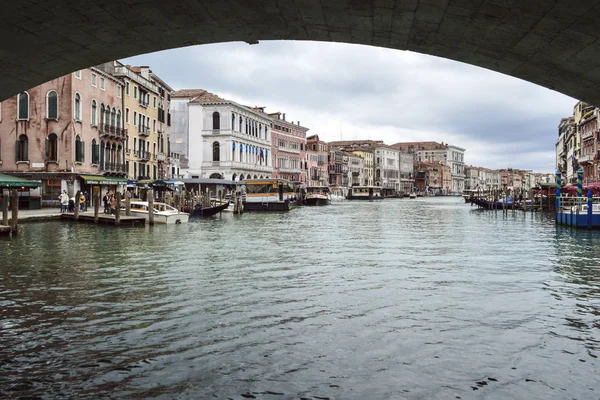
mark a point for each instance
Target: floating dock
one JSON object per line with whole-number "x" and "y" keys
{"x": 105, "y": 219}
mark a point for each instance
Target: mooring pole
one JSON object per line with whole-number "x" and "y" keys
{"x": 15, "y": 211}
{"x": 5, "y": 196}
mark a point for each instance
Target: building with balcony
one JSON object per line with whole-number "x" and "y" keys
{"x": 337, "y": 169}
{"x": 317, "y": 159}
{"x": 220, "y": 138}
{"x": 67, "y": 132}
{"x": 355, "y": 168}
{"x": 146, "y": 118}
{"x": 288, "y": 148}
{"x": 363, "y": 149}
{"x": 588, "y": 133}
{"x": 387, "y": 170}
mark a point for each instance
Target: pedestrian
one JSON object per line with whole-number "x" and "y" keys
{"x": 72, "y": 204}
{"x": 87, "y": 199}
{"x": 81, "y": 201}
{"x": 106, "y": 200}
{"x": 64, "y": 201}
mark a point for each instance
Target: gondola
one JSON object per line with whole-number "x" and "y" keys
{"x": 201, "y": 212}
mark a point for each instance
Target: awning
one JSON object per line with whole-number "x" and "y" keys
{"x": 103, "y": 180}
{"x": 15, "y": 181}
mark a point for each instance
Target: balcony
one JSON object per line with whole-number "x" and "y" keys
{"x": 289, "y": 150}
{"x": 112, "y": 132}
{"x": 587, "y": 158}
{"x": 115, "y": 168}
{"x": 236, "y": 165}
{"x": 143, "y": 103}
{"x": 161, "y": 156}
{"x": 290, "y": 170}
{"x": 144, "y": 155}
{"x": 143, "y": 130}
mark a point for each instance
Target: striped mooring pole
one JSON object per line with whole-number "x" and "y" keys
{"x": 558, "y": 186}
{"x": 580, "y": 182}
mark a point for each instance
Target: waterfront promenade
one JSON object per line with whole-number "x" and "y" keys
{"x": 36, "y": 215}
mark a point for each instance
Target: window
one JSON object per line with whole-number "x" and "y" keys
{"x": 79, "y": 149}
{"x": 135, "y": 118}
{"x": 77, "y": 107}
{"x": 78, "y": 74}
{"x": 95, "y": 152}
{"x": 154, "y": 125}
{"x": 127, "y": 88}
{"x": 154, "y": 101}
{"x": 23, "y": 106}
{"x": 102, "y": 83}
{"x": 135, "y": 92}
{"x": 102, "y": 113}
{"x": 216, "y": 117}
{"x": 216, "y": 151}
{"x": 118, "y": 118}
{"x": 94, "y": 79}
{"x": 21, "y": 153}
{"x": 52, "y": 148}
{"x": 119, "y": 91}
{"x": 127, "y": 115}
{"x": 52, "y": 105}
{"x": 113, "y": 117}
{"x": 94, "y": 113}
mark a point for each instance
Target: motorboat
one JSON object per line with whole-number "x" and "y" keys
{"x": 365, "y": 193}
{"x": 317, "y": 196}
{"x": 268, "y": 194}
{"x": 163, "y": 213}
{"x": 215, "y": 208}
{"x": 412, "y": 195}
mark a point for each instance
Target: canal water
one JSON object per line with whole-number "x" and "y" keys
{"x": 417, "y": 299}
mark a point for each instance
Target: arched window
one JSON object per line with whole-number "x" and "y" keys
{"x": 107, "y": 115}
{"x": 77, "y": 107}
{"x": 21, "y": 151}
{"x": 52, "y": 105}
{"x": 118, "y": 118}
{"x": 102, "y": 156}
{"x": 113, "y": 117}
{"x": 232, "y": 121}
{"x": 216, "y": 120}
{"x": 23, "y": 106}
{"x": 52, "y": 147}
{"x": 216, "y": 151}
{"x": 233, "y": 177}
{"x": 240, "y": 124}
{"x": 79, "y": 149}
{"x": 94, "y": 152}
{"x": 94, "y": 113}
{"x": 101, "y": 113}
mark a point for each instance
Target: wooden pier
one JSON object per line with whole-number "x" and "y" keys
{"x": 106, "y": 219}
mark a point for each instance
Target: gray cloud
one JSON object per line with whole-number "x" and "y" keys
{"x": 350, "y": 91}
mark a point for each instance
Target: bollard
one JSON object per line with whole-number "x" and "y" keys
{"x": 77, "y": 205}
{"x": 118, "y": 208}
{"x": 14, "y": 202}
{"x": 150, "y": 197}
{"x": 5, "y": 195}
{"x": 96, "y": 208}
{"x": 127, "y": 204}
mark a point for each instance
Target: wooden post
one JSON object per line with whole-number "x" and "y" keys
{"x": 77, "y": 205}
{"x": 150, "y": 198}
{"x": 127, "y": 204}
{"x": 14, "y": 202}
{"x": 118, "y": 208}
{"x": 96, "y": 208}
{"x": 5, "y": 195}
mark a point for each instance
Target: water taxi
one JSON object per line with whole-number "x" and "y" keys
{"x": 365, "y": 193}
{"x": 317, "y": 196}
{"x": 270, "y": 194}
{"x": 163, "y": 213}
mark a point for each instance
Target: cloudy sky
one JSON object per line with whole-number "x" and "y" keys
{"x": 343, "y": 91}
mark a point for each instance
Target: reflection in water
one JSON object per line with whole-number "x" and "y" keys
{"x": 425, "y": 298}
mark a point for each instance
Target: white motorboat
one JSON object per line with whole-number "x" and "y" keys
{"x": 412, "y": 196}
{"x": 317, "y": 196}
{"x": 163, "y": 213}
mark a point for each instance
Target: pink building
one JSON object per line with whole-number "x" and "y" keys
{"x": 317, "y": 158}
{"x": 68, "y": 133}
{"x": 288, "y": 149}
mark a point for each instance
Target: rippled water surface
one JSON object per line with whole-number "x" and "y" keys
{"x": 425, "y": 298}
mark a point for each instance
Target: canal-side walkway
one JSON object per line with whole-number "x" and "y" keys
{"x": 35, "y": 215}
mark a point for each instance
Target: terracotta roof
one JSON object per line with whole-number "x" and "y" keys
{"x": 188, "y": 93}
{"x": 208, "y": 97}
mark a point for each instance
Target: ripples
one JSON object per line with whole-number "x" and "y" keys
{"x": 426, "y": 298}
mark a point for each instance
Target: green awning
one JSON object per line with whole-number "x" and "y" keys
{"x": 103, "y": 180}
{"x": 15, "y": 181}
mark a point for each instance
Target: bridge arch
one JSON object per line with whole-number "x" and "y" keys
{"x": 550, "y": 43}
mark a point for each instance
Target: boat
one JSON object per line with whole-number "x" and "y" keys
{"x": 317, "y": 196}
{"x": 412, "y": 195}
{"x": 269, "y": 194}
{"x": 365, "y": 193}
{"x": 215, "y": 208}
{"x": 163, "y": 213}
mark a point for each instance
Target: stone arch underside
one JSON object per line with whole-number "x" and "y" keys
{"x": 551, "y": 43}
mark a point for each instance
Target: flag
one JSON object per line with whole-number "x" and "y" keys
{"x": 262, "y": 156}
{"x": 232, "y": 145}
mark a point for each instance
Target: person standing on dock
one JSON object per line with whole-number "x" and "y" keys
{"x": 64, "y": 201}
{"x": 81, "y": 201}
{"x": 113, "y": 204}
{"x": 87, "y": 200}
{"x": 106, "y": 200}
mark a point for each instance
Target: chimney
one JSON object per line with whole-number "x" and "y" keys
{"x": 283, "y": 116}
{"x": 145, "y": 72}
{"x": 298, "y": 123}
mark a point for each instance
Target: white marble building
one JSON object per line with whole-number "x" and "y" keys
{"x": 222, "y": 139}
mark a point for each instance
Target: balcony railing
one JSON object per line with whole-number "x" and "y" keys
{"x": 143, "y": 103}
{"x": 114, "y": 168}
{"x": 144, "y": 130}
{"x": 144, "y": 155}
{"x": 290, "y": 170}
{"x": 237, "y": 165}
{"x": 289, "y": 150}
{"x": 161, "y": 156}
{"x": 586, "y": 158}
{"x": 113, "y": 132}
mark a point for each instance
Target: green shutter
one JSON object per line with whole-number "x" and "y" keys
{"x": 17, "y": 148}
{"x": 47, "y": 149}
{"x": 25, "y": 150}
{"x": 82, "y": 151}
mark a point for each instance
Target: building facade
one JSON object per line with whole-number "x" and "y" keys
{"x": 317, "y": 157}
{"x": 288, "y": 148}
{"x": 68, "y": 133}
{"x": 387, "y": 170}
